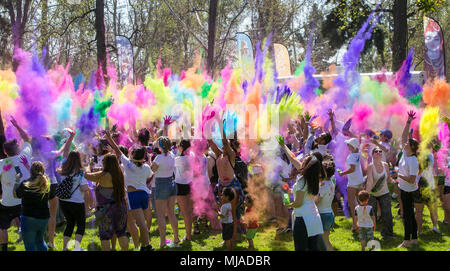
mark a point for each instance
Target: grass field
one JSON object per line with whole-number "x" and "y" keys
{"x": 267, "y": 239}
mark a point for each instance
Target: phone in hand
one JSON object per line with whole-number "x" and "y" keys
{"x": 18, "y": 172}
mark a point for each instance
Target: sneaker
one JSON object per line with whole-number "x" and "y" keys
{"x": 435, "y": 229}
{"x": 50, "y": 245}
{"x": 394, "y": 195}
{"x": 79, "y": 249}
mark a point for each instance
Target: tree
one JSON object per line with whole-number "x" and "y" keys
{"x": 347, "y": 17}
{"x": 100, "y": 35}
{"x": 212, "y": 18}
{"x": 18, "y": 14}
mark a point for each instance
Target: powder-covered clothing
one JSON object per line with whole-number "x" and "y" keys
{"x": 364, "y": 215}
{"x": 252, "y": 221}
{"x": 408, "y": 166}
{"x": 308, "y": 210}
{"x": 8, "y": 174}
{"x": 183, "y": 171}
{"x": 356, "y": 177}
{"x": 225, "y": 210}
{"x": 379, "y": 186}
{"x": 326, "y": 194}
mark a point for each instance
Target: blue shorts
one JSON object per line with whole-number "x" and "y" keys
{"x": 138, "y": 200}
{"x": 165, "y": 188}
{"x": 327, "y": 221}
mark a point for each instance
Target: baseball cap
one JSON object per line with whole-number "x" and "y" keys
{"x": 353, "y": 142}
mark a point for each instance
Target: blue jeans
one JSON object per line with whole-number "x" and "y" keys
{"x": 33, "y": 230}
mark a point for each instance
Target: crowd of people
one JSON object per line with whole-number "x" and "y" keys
{"x": 123, "y": 187}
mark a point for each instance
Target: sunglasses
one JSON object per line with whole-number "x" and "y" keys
{"x": 378, "y": 151}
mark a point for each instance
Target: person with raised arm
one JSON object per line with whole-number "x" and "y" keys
{"x": 165, "y": 188}
{"x": 72, "y": 205}
{"x": 136, "y": 173}
{"x": 408, "y": 171}
{"x": 225, "y": 168}
{"x": 16, "y": 163}
{"x": 111, "y": 213}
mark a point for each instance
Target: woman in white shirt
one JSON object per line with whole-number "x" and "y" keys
{"x": 408, "y": 171}
{"x": 183, "y": 178}
{"x": 73, "y": 208}
{"x": 355, "y": 176}
{"x": 307, "y": 226}
{"x": 377, "y": 184}
{"x": 136, "y": 173}
{"x": 165, "y": 190}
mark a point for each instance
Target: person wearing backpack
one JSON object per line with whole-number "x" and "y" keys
{"x": 240, "y": 167}
{"x": 71, "y": 193}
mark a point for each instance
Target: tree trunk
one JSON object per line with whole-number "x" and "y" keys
{"x": 101, "y": 37}
{"x": 211, "y": 35}
{"x": 19, "y": 19}
{"x": 399, "y": 43}
{"x": 44, "y": 32}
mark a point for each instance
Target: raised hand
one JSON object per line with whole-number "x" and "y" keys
{"x": 168, "y": 120}
{"x": 14, "y": 122}
{"x": 24, "y": 161}
{"x": 411, "y": 115}
{"x": 331, "y": 114}
{"x": 280, "y": 140}
{"x": 70, "y": 131}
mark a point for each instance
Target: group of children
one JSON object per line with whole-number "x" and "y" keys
{"x": 122, "y": 186}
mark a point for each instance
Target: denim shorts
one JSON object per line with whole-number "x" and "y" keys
{"x": 327, "y": 221}
{"x": 165, "y": 188}
{"x": 138, "y": 200}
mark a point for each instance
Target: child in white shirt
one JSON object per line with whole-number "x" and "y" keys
{"x": 226, "y": 216}
{"x": 366, "y": 219}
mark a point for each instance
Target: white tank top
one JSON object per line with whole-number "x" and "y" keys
{"x": 379, "y": 187}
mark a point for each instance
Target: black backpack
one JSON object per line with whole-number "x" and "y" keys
{"x": 241, "y": 171}
{"x": 64, "y": 189}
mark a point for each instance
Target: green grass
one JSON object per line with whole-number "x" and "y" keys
{"x": 267, "y": 240}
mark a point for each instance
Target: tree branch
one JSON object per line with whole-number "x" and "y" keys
{"x": 185, "y": 26}
{"x": 76, "y": 18}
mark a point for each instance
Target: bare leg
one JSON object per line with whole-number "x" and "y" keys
{"x": 148, "y": 215}
{"x": 419, "y": 216}
{"x": 133, "y": 230}
{"x": 363, "y": 245}
{"x": 53, "y": 206}
{"x": 326, "y": 239}
{"x": 186, "y": 210}
{"x": 351, "y": 199}
{"x": 138, "y": 215}
{"x": 161, "y": 208}
{"x": 123, "y": 243}
{"x": 173, "y": 219}
{"x": 113, "y": 242}
{"x": 106, "y": 245}
{"x": 447, "y": 207}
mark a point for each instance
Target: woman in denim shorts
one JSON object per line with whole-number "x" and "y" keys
{"x": 165, "y": 190}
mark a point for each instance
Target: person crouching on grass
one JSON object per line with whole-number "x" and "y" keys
{"x": 366, "y": 222}
{"x": 226, "y": 216}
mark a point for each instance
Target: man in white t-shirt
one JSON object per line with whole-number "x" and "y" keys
{"x": 16, "y": 163}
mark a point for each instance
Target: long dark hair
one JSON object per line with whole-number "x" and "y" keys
{"x": 185, "y": 144}
{"x": 312, "y": 173}
{"x": 71, "y": 165}
{"x": 111, "y": 165}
